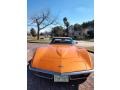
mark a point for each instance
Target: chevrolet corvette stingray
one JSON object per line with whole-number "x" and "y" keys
{"x": 62, "y": 61}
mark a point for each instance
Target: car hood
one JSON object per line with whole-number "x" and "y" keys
{"x": 62, "y": 58}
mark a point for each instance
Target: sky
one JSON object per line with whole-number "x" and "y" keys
{"x": 76, "y": 11}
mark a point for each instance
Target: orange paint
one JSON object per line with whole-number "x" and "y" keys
{"x": 62, "y": 58}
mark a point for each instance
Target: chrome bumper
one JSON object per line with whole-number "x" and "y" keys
{"x": 56, "y": 73}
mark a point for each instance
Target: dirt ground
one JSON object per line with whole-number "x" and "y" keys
{"x": 35, "y": 83}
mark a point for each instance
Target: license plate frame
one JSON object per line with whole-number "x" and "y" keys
{"x": 61, "y": 78}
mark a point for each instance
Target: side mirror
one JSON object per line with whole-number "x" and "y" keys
{"x": 76, "y": 42}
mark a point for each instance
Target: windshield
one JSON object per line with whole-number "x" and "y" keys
{"x": 62, "y": 41}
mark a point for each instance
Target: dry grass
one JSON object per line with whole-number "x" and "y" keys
{"x": 42, "y": 40}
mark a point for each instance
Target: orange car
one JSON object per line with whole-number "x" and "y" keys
{"x": 62, "y": 61}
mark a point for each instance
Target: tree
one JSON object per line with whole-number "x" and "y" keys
{"x": 91, "y": 23}
{"x": 88, "y": 24}
{"x": 33, "y": 32}
{"x": 66, "y": 23}
{"x": 77, "y": 27}
{"x": 84, "y": 25}
{"x": 43, "y": 20}
{"x": 57, "y": 31}
{"x": 90, "y": 34}
{"x": 88, "y": 27}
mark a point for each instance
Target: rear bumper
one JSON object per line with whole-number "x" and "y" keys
{"x": 73, "y": 76}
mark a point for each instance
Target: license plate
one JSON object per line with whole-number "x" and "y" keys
{"x": 61, "y": 78}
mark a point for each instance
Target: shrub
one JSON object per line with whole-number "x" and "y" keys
{"x": 33, "y": 32}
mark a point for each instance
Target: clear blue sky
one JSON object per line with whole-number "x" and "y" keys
{"x": 77, "y": 11}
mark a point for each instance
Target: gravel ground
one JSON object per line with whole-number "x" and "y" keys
{"x": 35, "y": 83}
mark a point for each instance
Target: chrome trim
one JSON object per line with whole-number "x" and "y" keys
{"x": 53, "y": 73}
{"x": 80, "y": 72}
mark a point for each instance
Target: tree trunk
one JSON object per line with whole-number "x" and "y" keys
{"x": 38, "y": 31}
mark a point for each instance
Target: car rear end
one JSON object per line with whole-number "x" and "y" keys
{"x": 70, "y": 77}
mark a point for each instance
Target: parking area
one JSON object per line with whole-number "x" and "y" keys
{"x": 36, "y": 83}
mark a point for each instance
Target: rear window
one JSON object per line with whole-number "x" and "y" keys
{"x": 61, "y": 41}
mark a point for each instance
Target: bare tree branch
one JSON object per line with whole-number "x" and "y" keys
{"x": 48, "y": 24}
{"x": 43, "y": 20}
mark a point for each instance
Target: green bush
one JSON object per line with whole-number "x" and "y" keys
{"x": 33, "y": 32}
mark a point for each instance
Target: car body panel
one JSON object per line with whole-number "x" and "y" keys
{"x": 62, "y": 58}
